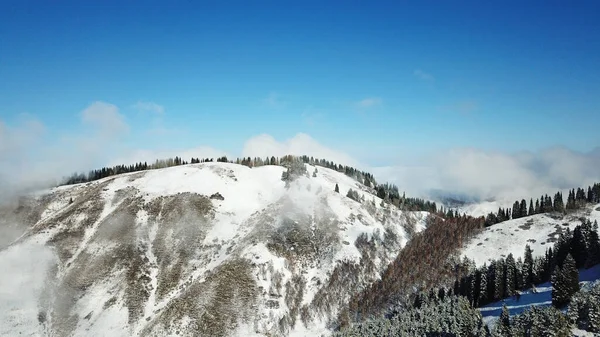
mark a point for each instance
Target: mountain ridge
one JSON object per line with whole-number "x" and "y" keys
{"x": 146, "y": 245}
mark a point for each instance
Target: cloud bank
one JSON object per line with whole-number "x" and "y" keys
{"x": 301, "y": 144}
{"x": 420, "y": 74}
{"x": 489, "y": 175}
{"x": 369, "y": 102}
{"x": 30, "y": 158}
{"x": 149, "y": 107}
{"x": 106, "y": 118}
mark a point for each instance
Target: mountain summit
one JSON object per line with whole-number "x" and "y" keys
{"x": 206, "y": 249}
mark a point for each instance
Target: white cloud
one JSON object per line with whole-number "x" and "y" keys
{"x": 18, "y": 138}
{"x": 28, "y": 265}
{"x": 465, "y": 108}
{"x": 28, "y": 156}
{"x": 301, "y": 144}
{"x": 495, "y": 175}
{"x": 106, "y": 118}
{"x": 149, "y": 156}
{"x": 160, "y": 130}
{"x": 312, "y": 116}
{"x": 273, "y": 101}
{"x": 369, "y": 102}
{"x": 420, "y": 74}
{"x": 149, "y": 107}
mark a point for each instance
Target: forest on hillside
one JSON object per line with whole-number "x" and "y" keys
{"x": 451, "y": 311}
{"x": 576, "y": 199}
{"x": 390, "y": 193}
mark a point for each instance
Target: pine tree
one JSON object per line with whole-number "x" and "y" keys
{"x": 565, "y": 282}
{"x": 578, "y": 247}
{"x": 516, "y": 210}
{"x": 523, "y": 208}
{"x": 571, "y": 275}
{"x": 531, "y": 209}
{"x": 503, "y": 325}
{"x": 483, "y": 286}
{"x": 528, "y": 277}
{"x": 337, "y": 188}
{"x": 519, "y": 279}
{"x": 558, "y": 287}
{"x": 562, "y": 247}
{"x": 558, "y": 203}
{"x": 593, "y": 251}
{"x": 500, "y": 280}
{"x": 571, "y": 200}
{"x": 491, "y": 281}
{"x": 548, "y": 265}
{"x": 510, "y": 272}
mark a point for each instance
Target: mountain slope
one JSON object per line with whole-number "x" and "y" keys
{"x": 204, "y": 249}
{"x": 538, "y": 231}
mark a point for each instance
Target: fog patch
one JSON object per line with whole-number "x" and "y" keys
{"x": 25, "y": 269}
{"x": 492, "y": 175}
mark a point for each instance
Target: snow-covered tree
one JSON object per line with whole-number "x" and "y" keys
{"x": 565, "y": 282}
{"x": 528, "y": 277}
{"x": 499, "y": 280}
{"x": 483, "y": 286}
{"x": 503, "y": 325}
{"x": 511, "y": 276}
{"x": 593, "y": 252}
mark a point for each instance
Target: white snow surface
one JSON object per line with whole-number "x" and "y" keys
{"x": 24, "y": 268}
{"x": 537, "y": 231}
{"x": 248, "y": 193}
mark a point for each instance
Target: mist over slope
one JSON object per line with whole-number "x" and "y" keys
{"x": 209, "y": 249}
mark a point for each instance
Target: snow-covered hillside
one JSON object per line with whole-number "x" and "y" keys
{"x": 204, "y": 249}
{"x": 538, "y": 231}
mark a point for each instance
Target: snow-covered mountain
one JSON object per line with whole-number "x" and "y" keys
{"x": 205, "y": 249}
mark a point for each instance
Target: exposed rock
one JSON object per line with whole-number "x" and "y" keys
{"x": 272, "y": 304}
{"x": 217, "y": 196}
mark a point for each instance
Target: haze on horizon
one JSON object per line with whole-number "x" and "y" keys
{"x": 475, "y": 98}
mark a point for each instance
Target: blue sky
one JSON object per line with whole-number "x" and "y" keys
{"x": 373, "y": 79}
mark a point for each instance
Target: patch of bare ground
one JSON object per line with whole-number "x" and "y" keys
{"x": 215, "y": 307}
{"x": 411, "y": 267}
{"x": 120, "y": 256}
{"x": 349, "y": 277}
{"x": 527, "y": 225}
{"x": 558, "y": 229}
{"x": 135, "y": 176}
{"x": 20, "y": 215}
{"x": 123, "y": 193}
{"x": 302, "y": 240}
{"x": 223, "y": 172}
{"x": 183, "y": 221}
{"x": 71, "y": 228}
{"x": 555, "y": 215}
